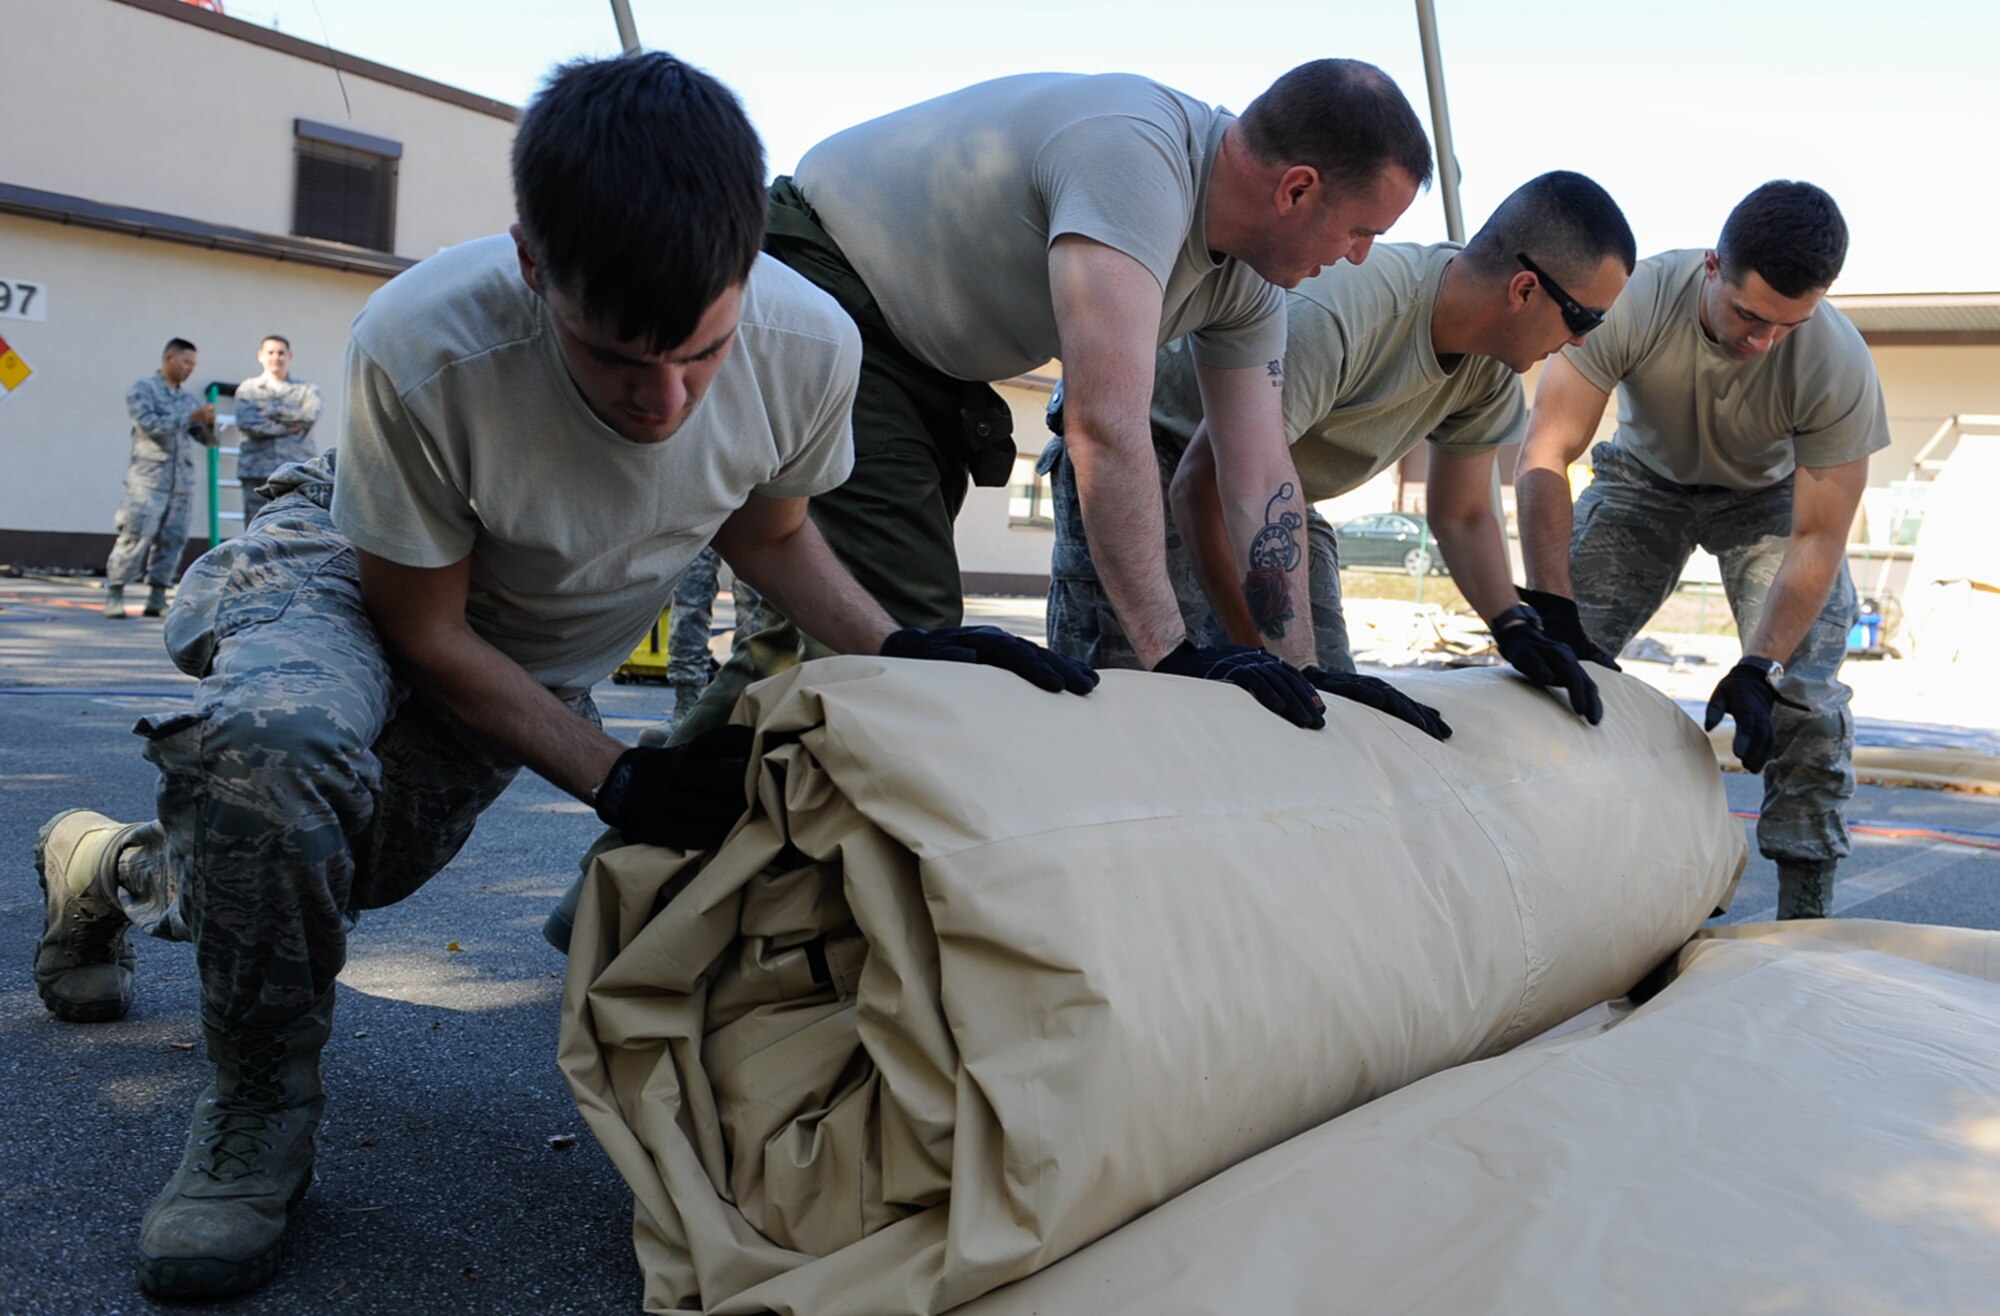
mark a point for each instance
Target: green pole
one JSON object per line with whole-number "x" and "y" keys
{"x": 214, "y": 475}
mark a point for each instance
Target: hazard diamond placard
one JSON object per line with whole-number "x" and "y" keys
{"x": 13, "y": 370}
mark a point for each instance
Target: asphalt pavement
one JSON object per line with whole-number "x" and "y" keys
{"x": 454, "y": 1173}
{"x": 438, "y": 1188}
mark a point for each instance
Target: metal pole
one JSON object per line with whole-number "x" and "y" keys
{"x": 1427, "y": 30}
{"x": 628, "y": 31}
{"x": 1447, "y": 171}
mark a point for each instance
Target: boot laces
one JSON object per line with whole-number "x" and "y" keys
{"x": 91, "y": 922}
{"x": 93, "y": 925}
{"x": 248, "y": 1118}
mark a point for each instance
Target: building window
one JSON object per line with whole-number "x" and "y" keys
{"x": 346, "y": 188}
{"x": 1030, "y": 497}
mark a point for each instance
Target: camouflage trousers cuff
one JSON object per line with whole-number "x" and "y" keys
{"x": 148, "y": 891}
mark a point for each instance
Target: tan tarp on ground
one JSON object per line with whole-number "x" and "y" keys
{"x": 1806, "y": 1121}
{"x": 989, "y": 972}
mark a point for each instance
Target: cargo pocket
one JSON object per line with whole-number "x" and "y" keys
{"x": 249, "y": 581}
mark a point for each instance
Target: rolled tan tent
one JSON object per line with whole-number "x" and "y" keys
{"x": 1807, "y": 1119}
{"x": 989, "y": 972}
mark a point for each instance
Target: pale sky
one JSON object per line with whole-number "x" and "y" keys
{"x": 1677, "y": 109}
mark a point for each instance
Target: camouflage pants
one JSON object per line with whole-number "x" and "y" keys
{"x": 152, "y": 523}
{"x": 1082, "y": 623}
{"x": 305, "y": 784}
{"x": 253, "y": 500}
{"x": 1634, "y": 533}
{"x": 693, "y": 614}
{"x": 257, "y": 459}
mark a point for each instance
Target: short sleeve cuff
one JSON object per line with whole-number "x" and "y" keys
{"x": 1600, "y": 379}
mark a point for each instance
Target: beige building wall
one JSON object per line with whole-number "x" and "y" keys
{"x": 115, "y": 103}
{"x": 113, "y": 301}
{"x": 1924, "y": 386}
{"x": 155, "y": 107}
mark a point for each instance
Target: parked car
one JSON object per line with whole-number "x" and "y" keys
{"x": 1390, "y": 539}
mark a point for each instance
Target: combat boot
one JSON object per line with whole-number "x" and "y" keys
{"x": 686, "y": 695}
{"x": 156, "y": 602}
{"x": 114, "y": 603}
{"x": 215, "y": 1230}
{"x": 83, "y": 964}
{"x": 1805, "y": 888}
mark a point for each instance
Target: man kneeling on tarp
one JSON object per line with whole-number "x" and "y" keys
{"x": 541, "y": 432}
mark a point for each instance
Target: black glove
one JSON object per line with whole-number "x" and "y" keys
{"x": 1559, "y": 619}
{"x": 1382, "y": 697}
{"x": 687, "y": 796}
{"x": 989, "y": 646}
{"x": 1277, "y": 685}
{"x": 1546, "y": 661}
{"x": 1747, "y": 695}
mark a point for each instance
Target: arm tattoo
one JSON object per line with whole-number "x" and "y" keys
{"x": 1274, "y": 555}
{"x": 1275, "y": 372}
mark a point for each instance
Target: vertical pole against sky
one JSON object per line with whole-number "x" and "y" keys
{"x": 1454, "y": 217}
{"x": 628, "y": 31}
{"x": 1427, "y": 31}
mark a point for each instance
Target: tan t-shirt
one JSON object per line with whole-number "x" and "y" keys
{"x": 947, "y": 210}
{"x": 1691, "y": 414}
{"x": 1362, "y": 385}
{"x": 464, "y": 434}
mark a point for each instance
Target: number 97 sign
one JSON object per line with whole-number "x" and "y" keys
{"x": 22, "y": 299}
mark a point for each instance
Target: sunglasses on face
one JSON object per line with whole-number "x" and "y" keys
{"x": 1579, "y": 318}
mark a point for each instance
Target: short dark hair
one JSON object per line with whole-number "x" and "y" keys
{"x": 275, "y": 338}
{"x": 640, "y": 188}
{"x": 178, "y": 345}
{"x": 1565, "y": 223}
{"x": 1342, "y": 117}
{"x": 1791, "y": 234}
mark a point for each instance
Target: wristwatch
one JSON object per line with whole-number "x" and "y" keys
{"x": 1773, "y": 670}
{"x": 1518, "y": 615}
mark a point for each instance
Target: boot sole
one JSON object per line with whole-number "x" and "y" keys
{"x": 89, "y": 1012}
{"x": 187, "y": 1278}
{"x": 71, "y": 1012}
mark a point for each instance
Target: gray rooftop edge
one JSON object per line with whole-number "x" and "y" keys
{"x": 61, "y": 208}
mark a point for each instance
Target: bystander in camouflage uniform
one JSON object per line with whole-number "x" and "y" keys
{"x": 689, "y": 665}
{"x": 152, "y": 522}
{"x": 276, "y": 418}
